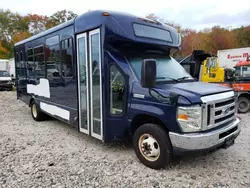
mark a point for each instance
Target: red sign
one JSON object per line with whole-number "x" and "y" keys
{"x": 244, "y": 55}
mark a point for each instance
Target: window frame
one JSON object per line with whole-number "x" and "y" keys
{"x": 124, "y": 111}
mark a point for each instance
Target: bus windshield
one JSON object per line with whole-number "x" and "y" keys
{"x": 168, "y": 69}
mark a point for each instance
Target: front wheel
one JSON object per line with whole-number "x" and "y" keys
{"x": 243, "y": 105}
{"x": 152, "y": 146}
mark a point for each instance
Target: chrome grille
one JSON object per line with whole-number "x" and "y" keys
{"x": 218, "y": 110}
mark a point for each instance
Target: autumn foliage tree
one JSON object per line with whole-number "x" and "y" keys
{"x": 3, "y": 51}
{"x": 15, "y": 27}
{"x": 211, "y": 40}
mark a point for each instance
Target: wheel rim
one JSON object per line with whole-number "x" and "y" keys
{"x": 243, "y": 106}
{"x": 149, "y": 147}
{"x": 34, "y": 110}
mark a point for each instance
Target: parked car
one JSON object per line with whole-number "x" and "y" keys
{"x": 5, "y": 81}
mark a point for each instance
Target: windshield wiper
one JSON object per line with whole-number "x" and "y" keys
{"x": 183, "y": 78}
{"x": 165, "y": 77}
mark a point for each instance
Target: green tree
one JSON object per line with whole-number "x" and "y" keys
{"x": 10, "y": 24}
{"x": 60, "y": 17}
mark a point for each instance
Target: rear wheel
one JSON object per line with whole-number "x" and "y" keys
{"x": 36, "y": 113}
{"x": 152, "y": 146}
{"x": 243, "y": 105}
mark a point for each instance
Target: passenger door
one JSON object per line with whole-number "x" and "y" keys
{"x": 90, "y": 83}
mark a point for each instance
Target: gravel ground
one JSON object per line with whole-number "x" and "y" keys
{"x": 53, "y": 154}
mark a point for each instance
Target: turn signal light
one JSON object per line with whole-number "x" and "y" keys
{"x": 105, "y": 14}
{"x": 183, "y": 117}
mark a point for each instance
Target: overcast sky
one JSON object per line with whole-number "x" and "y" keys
{"x": 195, "y": 14}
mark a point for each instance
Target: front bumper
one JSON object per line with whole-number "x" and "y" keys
{"x": 203, "y": 141}
{"x": 5, "y": 86}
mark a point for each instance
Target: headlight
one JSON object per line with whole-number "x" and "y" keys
{"x": 189, "y": 118}
{"x": 9, "y": 82}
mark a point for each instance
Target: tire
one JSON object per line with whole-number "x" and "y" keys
{"x": 156, "y": 137}
{"x": 243, "y": 105}
{"x": 36, "y": 113}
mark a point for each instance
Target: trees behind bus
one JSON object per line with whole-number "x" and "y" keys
{"x": 14, "y": 27}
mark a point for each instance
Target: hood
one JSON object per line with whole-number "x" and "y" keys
{"x": 5, "y": 78}
{"x": 193, "y": 91}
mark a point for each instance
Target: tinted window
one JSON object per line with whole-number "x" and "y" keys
{"x": 20, "y": 66}
{"x": 53, "y": 61}
{"x": 39, "y": 66}
{"x": 21, "y": 56}
{"x": 30, "y": 52}
{"x": 70, "y": 43}
{"x": 38, "y": 50}
{"x": 66, "y": 57}
{"x": 152, "y": 32}
{"x": 31, "y": 68}
{"x": 30, "y": 63}
{"x": 17, "y": 57}
{"x": 52, "y": 40}
{"x": 116, "y": 90}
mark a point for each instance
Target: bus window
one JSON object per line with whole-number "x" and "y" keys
{"x": 52, "y": 40}
{"x": 53, "y": 61}
{"x": 30, "y": 63}
{"x": 39, "y": 62}
{"x": 66, "y": 55}
{"x": 116, "y": 90}
{"x": 53, "y": 57}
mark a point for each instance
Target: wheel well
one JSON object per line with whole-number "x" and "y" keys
{"x": 31, "y": 100}
{"x": 142, "y": 119}
{"x": 247, "y": 95}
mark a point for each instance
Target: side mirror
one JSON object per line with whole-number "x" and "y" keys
{"x": 148, "y": 73}
{"x": 12, "y": 76}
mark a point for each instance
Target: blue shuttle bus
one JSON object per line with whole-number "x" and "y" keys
{"x": 111, "y": 75}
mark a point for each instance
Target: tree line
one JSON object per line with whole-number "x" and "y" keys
{"x": 15, "y": 27}
{"x": 209, "y": 39}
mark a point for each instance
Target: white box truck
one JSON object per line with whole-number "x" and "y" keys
{"x": 11, "y": 68}
{"x": 229, "y": 57}
{"x": 5, "y": 77}
{"x": 4, "y": 63}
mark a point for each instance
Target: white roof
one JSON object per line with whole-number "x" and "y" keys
{"x": 3, "y": 60}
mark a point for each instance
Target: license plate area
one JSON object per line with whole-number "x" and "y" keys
{"x": 229, "y": 141}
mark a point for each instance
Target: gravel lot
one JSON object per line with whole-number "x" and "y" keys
{"x": 52, "y": 154}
